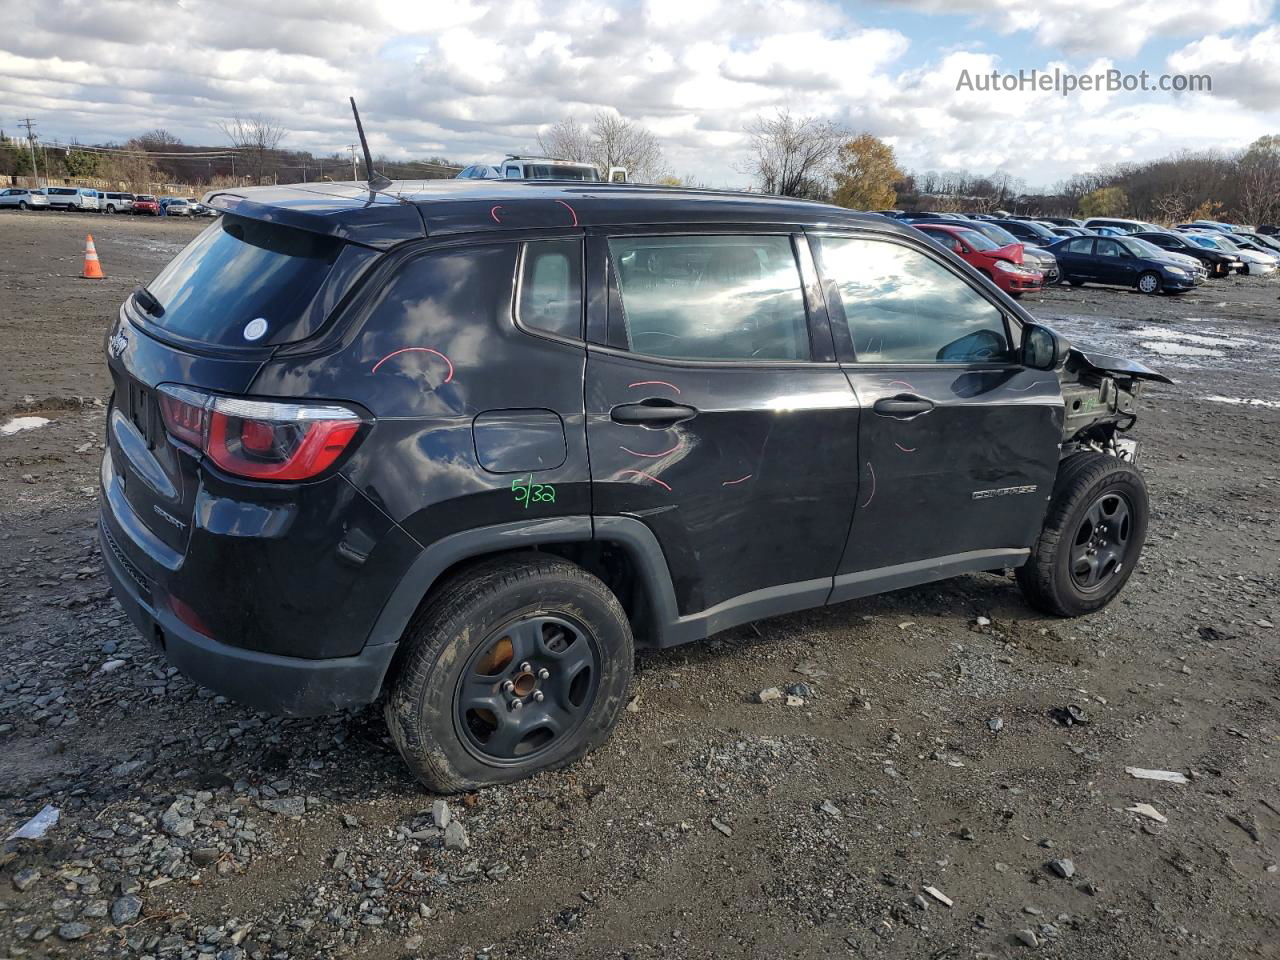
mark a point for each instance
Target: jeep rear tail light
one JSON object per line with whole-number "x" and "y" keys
{"x": 259, "y": 439}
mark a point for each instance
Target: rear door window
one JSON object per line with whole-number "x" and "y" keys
{"x": 711, "y": 297}
{"x": 550, "y": 292}
{"x": 238, "y": 271}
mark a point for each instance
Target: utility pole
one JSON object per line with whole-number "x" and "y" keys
{"x": 352, "y": 148}
{"x": 31, "y": 145}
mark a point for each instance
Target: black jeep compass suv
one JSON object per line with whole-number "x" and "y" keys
{"x": 460, "y": 447}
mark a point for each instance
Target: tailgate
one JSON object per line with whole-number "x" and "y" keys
{"x": 157, "y": 475}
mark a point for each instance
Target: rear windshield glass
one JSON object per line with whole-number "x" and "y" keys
{"x": 556, "y": 171}
{"x": 239, "y": 272}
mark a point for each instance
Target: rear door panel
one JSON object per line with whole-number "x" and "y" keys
{"x": 754, "y": 492}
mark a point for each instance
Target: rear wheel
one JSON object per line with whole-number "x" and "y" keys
{"x": 1149, "y": 282}
{"x": 1092, "y": 537}
{"x": 517, "y": 665}
{"x": 22, "y": 204}
{"x": 111, "y": 208}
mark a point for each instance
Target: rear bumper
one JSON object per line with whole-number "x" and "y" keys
{"x": 290, "y": 686}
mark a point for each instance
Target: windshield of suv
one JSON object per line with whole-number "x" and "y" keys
{"x": 560, "y": 171}
{"x": 240, "y": 270}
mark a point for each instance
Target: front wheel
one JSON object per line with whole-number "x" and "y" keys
{"x": 1092, "y": 537}
{"x": 517, "y": 665}
{"x": 1149, "y": 283}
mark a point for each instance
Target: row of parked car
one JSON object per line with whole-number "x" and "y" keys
{"x": 86, "y": 199}
{"x": 1021, "y": 254}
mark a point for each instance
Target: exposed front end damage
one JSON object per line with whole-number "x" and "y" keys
{"x": 1100, "y": 395}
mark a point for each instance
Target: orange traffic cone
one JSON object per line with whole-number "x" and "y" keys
{"x": 92, "y": 268}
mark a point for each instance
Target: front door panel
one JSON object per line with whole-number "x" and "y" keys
{"x": 973, "y": 473}
{"x": 958, "y": 443}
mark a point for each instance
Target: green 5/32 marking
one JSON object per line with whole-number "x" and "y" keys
{"x": 527, "y": 491}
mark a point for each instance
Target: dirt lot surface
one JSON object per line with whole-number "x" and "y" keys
{"x": 923, "y": 757}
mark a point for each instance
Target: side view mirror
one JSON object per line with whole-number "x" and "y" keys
{"x": 1043, "y": 348}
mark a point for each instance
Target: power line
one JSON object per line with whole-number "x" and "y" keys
{"x": 153, "y": 154}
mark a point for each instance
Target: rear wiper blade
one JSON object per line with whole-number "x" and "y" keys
{"x": 146, "y": 299}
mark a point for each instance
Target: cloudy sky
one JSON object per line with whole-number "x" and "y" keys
{"x": 474, "y": 80}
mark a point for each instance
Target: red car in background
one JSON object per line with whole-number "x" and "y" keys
{"x": 1001, "y": 265}
{"x": 146, "y": 204}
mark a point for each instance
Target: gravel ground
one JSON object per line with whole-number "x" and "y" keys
{"x": 916, "y": 797}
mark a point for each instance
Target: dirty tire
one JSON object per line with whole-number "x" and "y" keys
{"x": 1083, "y": 478}
{"x": 441, "y": 643}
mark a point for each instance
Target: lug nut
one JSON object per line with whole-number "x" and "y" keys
{"x": 544, "y": 673}
{"x": 517, "y": 704}
{"x": 508, "y": 686}
{"x": 538, "y": 695}
{"x": 525, "y": 667}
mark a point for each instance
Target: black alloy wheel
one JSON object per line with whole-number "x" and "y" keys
{"x": 1098, "y": 551}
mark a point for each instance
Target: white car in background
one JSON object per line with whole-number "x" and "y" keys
{"x": 72, "y": 198}
{"x": 1255, "y": 264}
{"x": 117, "y": 202}
{"x": 20, "y": 198}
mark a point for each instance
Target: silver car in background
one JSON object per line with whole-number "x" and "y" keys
{"x": 117, "y": 202}
{"x": 20, "y": 198}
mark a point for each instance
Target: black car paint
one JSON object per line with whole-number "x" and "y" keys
{"x": 1028, "y": 232}
{"x": 784, "y": 489}
{"x": 1217, "y": 262}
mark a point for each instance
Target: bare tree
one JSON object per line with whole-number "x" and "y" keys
{"x": 794, "y": 156}
{"x": 1260, "y": 181}
{"x": 610, "y": 141}
{"x": 158, "y": 138}
{"x": 257, "y": 137}
{"x": 619, "y": 142}
{"x": 566, "y": 140}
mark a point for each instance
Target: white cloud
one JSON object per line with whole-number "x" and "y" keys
{"x": 1103, "y": 26}
{"x": 473, "y": 79}
{"x": 1244, "y": 69}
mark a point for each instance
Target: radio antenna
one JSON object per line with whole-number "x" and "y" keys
{"x": 377, "y": 182}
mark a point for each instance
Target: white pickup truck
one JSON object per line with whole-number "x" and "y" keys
{"x": 542, "y": 168}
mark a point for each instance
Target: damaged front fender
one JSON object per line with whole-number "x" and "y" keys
{"x": 1100, "y": 394}
{"x": 1120, "y": 366}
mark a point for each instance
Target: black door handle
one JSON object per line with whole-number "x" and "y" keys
{"x": 903, "y": 406}
{"x": 653, "y": 413}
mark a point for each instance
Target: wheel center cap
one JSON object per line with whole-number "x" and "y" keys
{"x": 523, "y": 684}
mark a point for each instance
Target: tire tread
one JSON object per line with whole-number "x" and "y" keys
{"x": 437, "y": 623}
{"x": 1078, "y": 476}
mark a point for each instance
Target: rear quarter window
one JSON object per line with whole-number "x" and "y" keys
{"x": 238, "y": 271}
